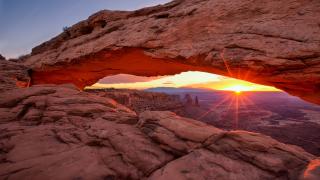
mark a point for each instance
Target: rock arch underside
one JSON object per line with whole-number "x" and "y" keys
{"x": 274, "y": 43}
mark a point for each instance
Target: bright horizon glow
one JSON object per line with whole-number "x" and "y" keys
{"x": 191, "y": 79}
{"x": 237, "y": 89}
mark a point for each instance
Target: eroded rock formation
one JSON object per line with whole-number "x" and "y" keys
{"x": 275, "y": 43}
{"x": 140, "y": 101}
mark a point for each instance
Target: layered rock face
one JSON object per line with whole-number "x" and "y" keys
{"x": 275, "y": 43}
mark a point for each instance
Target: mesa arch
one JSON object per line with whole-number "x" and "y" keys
{"x": 273, "y": 43}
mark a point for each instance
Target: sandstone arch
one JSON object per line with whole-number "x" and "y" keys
{"x": 268, "y": 42}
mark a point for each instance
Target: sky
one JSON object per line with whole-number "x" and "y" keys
{"x": 28, "y": 23}
{"x": 193, "y": 79}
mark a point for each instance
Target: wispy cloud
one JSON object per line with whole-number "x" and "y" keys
{"x": 126, "y": 78}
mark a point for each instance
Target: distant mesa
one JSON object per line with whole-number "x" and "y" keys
{"x": 189, "y": 101}
{"x": 172, "y": 90}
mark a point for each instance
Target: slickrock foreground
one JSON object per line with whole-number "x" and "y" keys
{"x": 269, "y": 42}
{"x": 57, "y": 132}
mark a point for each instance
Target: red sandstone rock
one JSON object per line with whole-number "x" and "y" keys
{"x": 269, "y": 42}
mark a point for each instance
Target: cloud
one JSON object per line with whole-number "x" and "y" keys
{"x": 178, "y": 80}
{"x": 168, "y": 83}
{"x": 126, "y": 78}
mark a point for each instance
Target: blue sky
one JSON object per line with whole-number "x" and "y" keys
{"x": 27, "y": 23}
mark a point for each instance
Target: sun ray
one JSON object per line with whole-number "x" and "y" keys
{"x": 213, "y": 108}
{"x": 229, "y": 105}
{"x": 226, "y": 63}
{"x": 235, "y": 123}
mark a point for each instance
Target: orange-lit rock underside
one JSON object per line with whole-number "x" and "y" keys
{"x": 97, "y": 66}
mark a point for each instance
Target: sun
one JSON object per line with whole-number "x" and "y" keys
{"x": 238, "y": 89}
{"x": 238, "y": 92}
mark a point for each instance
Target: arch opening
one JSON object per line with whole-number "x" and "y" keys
{"x": 189, "y": 79}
